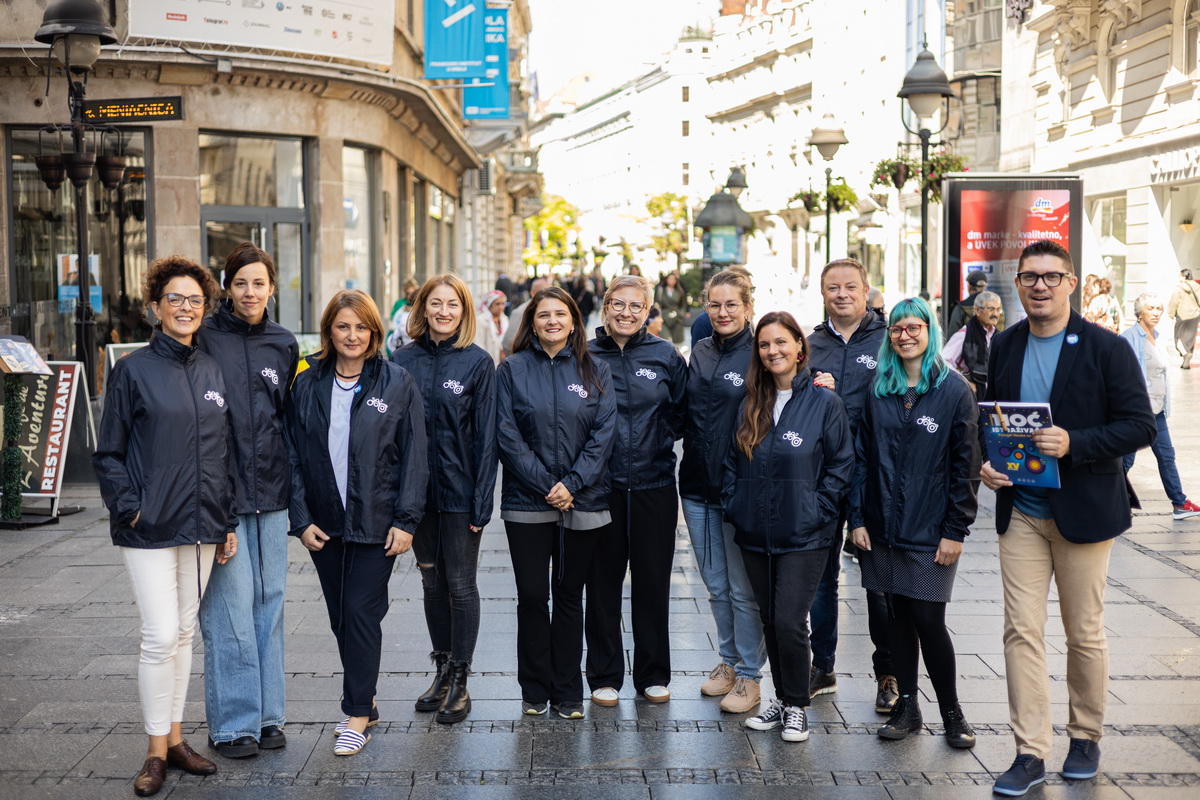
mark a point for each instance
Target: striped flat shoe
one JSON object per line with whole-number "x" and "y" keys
{"x": 350, "y": 742}
{"x": 372, "y": 721}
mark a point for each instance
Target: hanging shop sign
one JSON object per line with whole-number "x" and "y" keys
{"x": 491, "y": 102}
{"x": 454, "y": 39}
{"x": 134, "y": 109}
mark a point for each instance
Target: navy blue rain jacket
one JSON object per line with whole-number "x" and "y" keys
{"x": 458, "y": 385}
{"x": 914, "y": 481}
{"x": 650, "y": 379}
{"x": 163, "y": 448}
{"x": 549, "y": 428}
{"x": 258, "y": 362}
{"x": 787, "y": 497}
{"x": 852, "y": 364}
{"x": 387, "y": 473}
{"x": 716, "y": 385}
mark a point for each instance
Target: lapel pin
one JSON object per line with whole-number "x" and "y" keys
{"x": 1072, "y": 338}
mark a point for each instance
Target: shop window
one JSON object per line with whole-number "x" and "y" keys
{"x": 358, "y": 210}
{"x": 251, "y": 171}
{"x": 1108, "y": 218}
{"x": 43, "y": 249}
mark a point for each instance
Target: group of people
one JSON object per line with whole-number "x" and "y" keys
{"x": 787, "y": 438}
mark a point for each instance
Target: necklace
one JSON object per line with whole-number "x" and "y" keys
{"x": 346, "y": 377}
{"x": 350, "y": 388}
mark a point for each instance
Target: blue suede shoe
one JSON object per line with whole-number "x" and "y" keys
{"x": 1083, "y": 760}
{"x": 1028, "y": 770}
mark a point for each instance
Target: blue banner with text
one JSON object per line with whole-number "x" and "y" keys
{"x": 491, "y": 102}
{"x": 454, "y": 39}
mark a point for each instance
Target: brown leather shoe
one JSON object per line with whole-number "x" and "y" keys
{"x": 151, "y": 778}
{"x": 183, "y": 756}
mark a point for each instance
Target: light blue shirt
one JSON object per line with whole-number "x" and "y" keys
{"x": 1037, "y": 377}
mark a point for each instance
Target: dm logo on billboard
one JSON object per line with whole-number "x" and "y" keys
{"x": 1041, "y": 207}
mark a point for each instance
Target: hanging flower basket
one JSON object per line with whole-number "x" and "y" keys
{"x": 939, "y": 165}
{"x": 809, "y": 199}
{"x": 895, "y": 172}
{"x": 842, "y": 197}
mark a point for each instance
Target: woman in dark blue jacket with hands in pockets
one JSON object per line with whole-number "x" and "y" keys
{"x": 649, "y": 378}
{"x": 785, "y": 478}
{"x": 356, "y": 436}
{"x": 556, "y": 414}
{"x": 911, "y": 504}
{"x": 457, "y": 381}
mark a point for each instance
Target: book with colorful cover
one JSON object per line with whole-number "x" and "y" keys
{"x": 1008, "y": 430}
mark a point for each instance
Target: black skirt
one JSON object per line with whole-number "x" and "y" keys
{"x": 910, "y": 573}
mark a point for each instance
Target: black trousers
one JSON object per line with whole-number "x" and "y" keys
{"x": 642, "y": 538}
{"x": 354, "y": 579}
{"x": 447, "y": 553}
{"x": 550, "y": 647}
{"x": 784, "y": 585}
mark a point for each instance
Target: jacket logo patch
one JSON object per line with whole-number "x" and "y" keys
{"x": 793, "y": 438}
{"x": 215, "y": 397}
{"x": 453, "y": 386}
{"x": 646, "y": 373}
{"x": 577, "y": 389}
{"x": 377, "y": 404}
{"x": 734, "y": 378}
{"x": 270, "y": 375}
{"x": 928, "y": 423}
{"x": 866, "y": 359}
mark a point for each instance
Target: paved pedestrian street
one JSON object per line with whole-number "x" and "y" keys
{"x": 70, "y": 723}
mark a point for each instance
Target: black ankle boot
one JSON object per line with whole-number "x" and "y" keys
{"x": 959, "y": 732}
{"x": 905, "y": 718}
{"x": 457, "y": 704}
{"x": 436, "y": 693}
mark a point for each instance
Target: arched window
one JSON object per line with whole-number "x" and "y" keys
{"x": 1110, "y": 64}
{"x": 1191, "y": 38}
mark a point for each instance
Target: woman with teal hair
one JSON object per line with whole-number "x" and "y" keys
{"x": 911, "y": 504}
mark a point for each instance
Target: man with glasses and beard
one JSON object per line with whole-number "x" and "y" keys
{"x": 967, "y": 350}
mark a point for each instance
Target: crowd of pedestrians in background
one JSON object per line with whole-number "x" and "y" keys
{"x": 389, "y": 439}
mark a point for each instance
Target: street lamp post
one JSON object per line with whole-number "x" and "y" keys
{"x": 724, "y": 223}
{"x": 926, "y": 89}
{"x": 828, "y": 137}
{"x": 75, "y": 31}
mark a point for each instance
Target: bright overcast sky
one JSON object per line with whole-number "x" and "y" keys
{"x": 612, "y": 38}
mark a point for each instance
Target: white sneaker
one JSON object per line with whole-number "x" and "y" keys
{"x": 656, "y": 694}
{"x": 769, "y": 719}
{"x": 795, "y": 724}
{"x": 605, "y": 696}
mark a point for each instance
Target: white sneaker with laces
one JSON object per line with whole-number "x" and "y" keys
{"x": 769, "y": 719}
{"x": 795, "y": 724}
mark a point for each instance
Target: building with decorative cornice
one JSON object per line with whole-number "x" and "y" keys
{"x": 352, "y": 174}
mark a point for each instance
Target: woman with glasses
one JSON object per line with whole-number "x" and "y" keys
{"x": 649, "y": 378}
{"x": 911, "y": 505}
{"x": 241, "y": 616}
{"x": 164, "y": 469}
{"x": 356, "y": 437}
{"x": 784, "y": 483}
{"x": 555, "y": 420}
{"x": 457, "y": 381}
{"x": 716, "y": 385}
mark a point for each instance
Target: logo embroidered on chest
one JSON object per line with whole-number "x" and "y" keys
{"x": 453, "y": 386}
{"x": 577, "y": 389}
{"x": 270, "y": 375}
{"x": 928, "y": 423}
{"x": 866, "y": 359}
{"x": 793, "y": 438}
{"x": 646, "y": 373}
{"x": 377, "y": 404}
{"x": 734, "y": 378}
{"x": 215, "y": 397}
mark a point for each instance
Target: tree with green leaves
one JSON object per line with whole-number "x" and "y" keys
{"x": 669, "y": 212}
{"x": 549, "y": 240}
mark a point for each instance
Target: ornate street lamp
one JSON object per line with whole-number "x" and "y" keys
{"x": 927, "y": 91}
{"x": 75, "y": 31}
{"x": 725, "y": 224}
{"x": 828, "y": 137}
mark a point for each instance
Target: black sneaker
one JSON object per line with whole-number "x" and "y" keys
{"x": 1083, "y": 760}
{"x": 568, "y": 709}
{"x": 1027, "y": 771}
{"x": 821, "y": 682}
{"x": 532, "y": 709}
{"x": 769, "y": 719}
{"x": 795, "y": 724}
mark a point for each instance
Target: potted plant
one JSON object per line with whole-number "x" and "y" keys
{"x": 895, "y": 172}
{"x": 842, "y": 197}
{"x": 939, "y": 165}
{"x": 809, "y": 199}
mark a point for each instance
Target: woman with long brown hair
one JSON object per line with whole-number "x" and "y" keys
{"x": 785, "y": 479}
{"x": 556, "y": 415}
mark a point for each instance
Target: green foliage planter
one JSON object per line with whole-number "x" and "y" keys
{"x": 895, "y": 172}
{"x": 842, "y": 197}
{"x": 809, "y": 199}
{"x": 939, "y": 165}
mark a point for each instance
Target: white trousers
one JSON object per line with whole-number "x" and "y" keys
{"x": 167, "y": 584}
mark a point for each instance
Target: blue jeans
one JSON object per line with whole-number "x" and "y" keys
{"x": 730, "y": 595}
{"x": 241, "y": 619}
{"x": 824, "y": 611}
{"x": 1164, "y": 451}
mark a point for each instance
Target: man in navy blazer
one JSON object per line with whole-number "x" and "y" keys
{"x": 1101, "y": 412}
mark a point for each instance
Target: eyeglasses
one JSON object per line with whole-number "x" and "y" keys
{"x": 176, "y": 300}
{"x": 730, "y": 307}
{"x": 620, "y": 305}
{"x": 1051, "y": 279}
{"x": 993, "y": 309}
{"x": 913, "y": 330}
